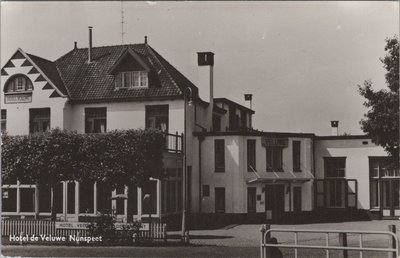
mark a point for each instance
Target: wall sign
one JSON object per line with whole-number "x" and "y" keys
{"x": 84, "y": 225}
{"x": 18, "y": 98}
{"x": 275, "y": 142}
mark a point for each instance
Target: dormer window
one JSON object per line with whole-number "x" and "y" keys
{"x": 18, "y": 83}
{"x": 131, "y": 79}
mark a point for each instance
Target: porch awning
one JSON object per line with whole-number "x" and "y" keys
{"x": 278, "y": 180}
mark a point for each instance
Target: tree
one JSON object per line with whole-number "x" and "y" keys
{"x": 381, "y": 122}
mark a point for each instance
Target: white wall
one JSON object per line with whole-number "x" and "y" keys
{"x": 235, "y": 177}
{"x": 357, "y": 163}
{"x": 18, "y": 114}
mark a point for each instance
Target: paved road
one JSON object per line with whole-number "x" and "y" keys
{"x": 63, "y": 251}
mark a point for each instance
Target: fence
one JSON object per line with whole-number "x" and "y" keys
{"x": 44, "y": 227}
{"x": 392, "y": 250}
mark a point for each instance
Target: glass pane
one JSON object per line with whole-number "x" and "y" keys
{"x": 149, "y": 195}
{"x": 86, "y": 197}
{"x": 44, "y": 198}
{"x": 27, "y": 199}
{"x": 103, "y": 197}
{"x": 9, "y": 200}
{"x": 71, "y": 198}
{"x": 58, "y": 197}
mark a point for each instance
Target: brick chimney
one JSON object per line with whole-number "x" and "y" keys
{"x": 90, "y": 45}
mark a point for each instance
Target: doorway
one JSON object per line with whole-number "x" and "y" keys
{"x": 274, "y": 202}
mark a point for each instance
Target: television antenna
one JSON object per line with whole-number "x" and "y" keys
{"x": 122, "y": 22}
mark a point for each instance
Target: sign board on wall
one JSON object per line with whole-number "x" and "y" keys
{"x": 85, "y": 225}
{"x": 18, "y": 98}
{"x": 275, "y": 142}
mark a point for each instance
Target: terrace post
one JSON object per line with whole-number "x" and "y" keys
{"x": 392, "y": 228}
{"x": 343, "y": 242}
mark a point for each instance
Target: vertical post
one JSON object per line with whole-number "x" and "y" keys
{"x": 262, "y": 241}
{"x": 392, "y": 228}
{"x": 37, "y": 201}
{"x": 361, "y": 245}
{"x": 267, "y": 251}
{"x": 343, "y": 242}
{"x": 176, "y": 142}
{"x": 295, "y": 243}
{"x": 327, "y": 244}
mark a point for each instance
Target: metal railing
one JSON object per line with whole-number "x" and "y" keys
{"x": 173, "y": 142}
{"x": 266, "y": 245}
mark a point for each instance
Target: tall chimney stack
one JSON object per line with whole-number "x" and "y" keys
{"x": 205, "y": 61}
{"x": 335, "y": 128}
{"x": 90, "y": 45}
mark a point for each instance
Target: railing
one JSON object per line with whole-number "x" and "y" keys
{"x": 46, "y": 227}
{"x": 173, "y": 142}
{"x": 266, "y": 234}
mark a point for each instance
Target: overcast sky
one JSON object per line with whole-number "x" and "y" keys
{"x": 302, "y": 61}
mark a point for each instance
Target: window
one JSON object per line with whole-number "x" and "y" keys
{"x": 9, "y": 199}
{"x": 71, "y": 197}
{"x": 296, "y": 156}
{"x": 157, "y": 117}
{"x": 251, "y": 199}
{"x": 219, "y": 199}
{"x": 120, "y": 202}
{"x": 95, "y": 120}
{"x": 274, "y": 159}
{"x": 3, "y": 120}
{"x": 86, "y": 197}
{"x": 216, "y": 123}
{"x": 131, "y": 79}
{"x": 18, "y": 83}
{"x": 27, "y": 199}
{"x": 149, "y": 195}
{"x": 335, "y": 167}
{"x": 58, "y": 197}
{"x": 44, "y": 198}
{"x": 206, "y": 190}
{"x": 381, "y": 168}
{"x": 39, "y": 120}
{"x": 103, "y": 197}
{"x": 336, "y": 193}
{"x": 251, "y": 155}
{"x": 219, "y": 155}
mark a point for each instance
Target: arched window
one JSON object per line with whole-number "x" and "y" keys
{"x": 18, "y": 83}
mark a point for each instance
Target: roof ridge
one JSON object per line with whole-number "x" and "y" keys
{"x": 120, "y": 45}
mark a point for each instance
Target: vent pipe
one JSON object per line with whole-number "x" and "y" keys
{"x": 90, "y": 45}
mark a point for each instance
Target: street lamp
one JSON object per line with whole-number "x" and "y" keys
{"x": 186, "y": 93}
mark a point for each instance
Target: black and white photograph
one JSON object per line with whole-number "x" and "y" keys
{"x": 200, "y": 129}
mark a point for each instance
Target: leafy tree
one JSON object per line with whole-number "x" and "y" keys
{"x": 127, "y": 157}
{"x": 381, "y": 121}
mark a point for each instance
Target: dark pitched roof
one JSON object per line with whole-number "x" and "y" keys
{"x": 94, "y": 82}
{"x": 50, "y": 70}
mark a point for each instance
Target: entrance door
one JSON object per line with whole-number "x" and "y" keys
{"x": 297, "y": 199}
{"x": 274, "y": 202}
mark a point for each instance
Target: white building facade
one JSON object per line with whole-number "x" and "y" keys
{"x": 230, "y": 168}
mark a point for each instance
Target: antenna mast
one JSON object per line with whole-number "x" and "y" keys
{"x": 122, "y": 22}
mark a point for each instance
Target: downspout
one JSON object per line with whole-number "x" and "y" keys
{"x": 200, "y": 139}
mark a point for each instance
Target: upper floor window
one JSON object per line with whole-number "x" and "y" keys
{"x": 296, "y": 156}
{"x": 3, "y": 120}
{"x": 274, "y": 159}
{"x": 380, "y": 167}
{"x": 157, "y": 117}
{"x": 335, "y": 167}
{"x": 95, "y": 120}
{"x": 219, "y": 155}
{"x": 251, "y": 155}
{"x": 39, "y": 120}
{"x": 131, "y": 79}
{"x": 216, "y": 120}
{"x": 18, "y": 83}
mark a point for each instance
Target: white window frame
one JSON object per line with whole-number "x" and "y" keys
{"x": 136, "y": 79}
